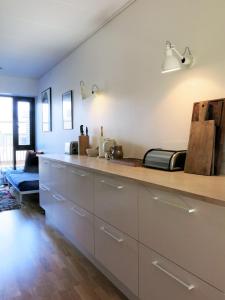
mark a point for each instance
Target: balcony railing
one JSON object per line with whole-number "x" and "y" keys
{"x": 6, "y": 152}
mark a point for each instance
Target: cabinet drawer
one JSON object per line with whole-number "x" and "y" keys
{"x": 118, "y": 253}
{"x": 80, "y": 187}
{"x": 58, "y": 178}
{"x": 160, "y": 279}
{"x": 116, "y": 203}
{"x": 74, "y": 222}
{"x": 59, "y": 211}
{"x": 81, "y": 227}
{"x": 188, "y": 231}
{"x": 45, "y": 197}
{"x": 45, "y": 171}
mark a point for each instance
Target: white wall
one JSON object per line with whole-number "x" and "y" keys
{"x": 139, "y": 106}
{"x": 18, "y": 86}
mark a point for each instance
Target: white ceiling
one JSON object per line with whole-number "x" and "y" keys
{"x": 37, "y": 34}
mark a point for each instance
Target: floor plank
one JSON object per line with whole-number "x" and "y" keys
{"x": 38, "y": 263}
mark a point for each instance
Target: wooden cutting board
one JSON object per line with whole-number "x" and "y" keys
{"x": 133, "y": 162}
{"x": 216, "y": 111}
{"x": 201, "y": 144}
{"x": 220, "y": 141}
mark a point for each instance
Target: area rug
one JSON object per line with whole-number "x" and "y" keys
{"x": 7, "y": 201}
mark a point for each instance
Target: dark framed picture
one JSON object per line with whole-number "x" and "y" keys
{"x": 46, "y": 100}
{"x": 67, "y": 107}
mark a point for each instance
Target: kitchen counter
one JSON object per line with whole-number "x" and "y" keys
{"x": 207, "y": 188}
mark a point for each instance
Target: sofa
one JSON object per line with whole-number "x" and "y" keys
{"x": 25, "y": 180}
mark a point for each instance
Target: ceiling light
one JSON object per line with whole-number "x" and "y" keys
{"x": 174, "y": 60}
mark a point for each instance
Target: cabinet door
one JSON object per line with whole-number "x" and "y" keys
{"x": 116, "y": 203}
{"x": 188, "y": 231}
{"x": 118, "y": 253}
{"x": 159, "y": 279}
{"x": 80, "y": 187}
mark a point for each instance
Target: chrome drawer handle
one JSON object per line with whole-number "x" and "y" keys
{"x": 187, "y": 286}
{"x": 79, "y": 174}
{"x": 119, "y": 240}
{"x": 58, "y": 166}
{"x": 185, "y": 209}
{"x": 78, "y": 212}
{"x": 44, "y": 188}
{"x": 118, "y": 187}
{"x": 58, "y": 197}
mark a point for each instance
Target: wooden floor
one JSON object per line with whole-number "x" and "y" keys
{"x": 37, "y": 263}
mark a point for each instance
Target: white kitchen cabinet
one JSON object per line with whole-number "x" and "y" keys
{"x": 45, "y": 184}
{"x": 160, "y": 279}
{"x": 59, "y": 212}
{"x": 81, "y": 229}
{"x": 58, "y": 178}
{"x": 45, "y": 197}
{"x": 188, "y": 231}
{"x": 118, "y": 253}
{"x": 45, "y": 172}
{"x": 74, "y": 222}
{"x": 116, "y": 202}
{"x": 160, "y": 244}
{"x": 80, "y": 187}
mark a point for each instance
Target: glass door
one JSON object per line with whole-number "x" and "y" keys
{"x": 23, "y": 129}
{"x": 17, "y": 131}
{"x": 6, "y": 132}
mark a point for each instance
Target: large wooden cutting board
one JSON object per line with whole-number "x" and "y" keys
{"x": 201, "y": 145}
{"x": 216, "y": 111}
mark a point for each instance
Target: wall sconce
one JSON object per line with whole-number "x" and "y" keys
{"x": 85, "y": 92}
{"x": 174, "y": 60}
{"x": 94, "y": 89}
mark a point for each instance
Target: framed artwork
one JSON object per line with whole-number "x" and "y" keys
{"x": 46, "y": 100}
{"x": 67, "y": 106}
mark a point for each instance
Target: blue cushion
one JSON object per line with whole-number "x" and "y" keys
{"x": 23, "y": 181}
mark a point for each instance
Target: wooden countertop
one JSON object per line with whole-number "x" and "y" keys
{"x": 208, "y": 188}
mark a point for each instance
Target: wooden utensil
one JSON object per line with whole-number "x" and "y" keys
{"x": 132, "y": 162}
{"x": 220, "y": 138}
{"x": 201, "y": 144}
{"x": 216, "y": 111}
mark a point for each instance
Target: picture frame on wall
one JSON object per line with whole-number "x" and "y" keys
{"x": 67, "y": 108}
{"x": 46, "y": 100}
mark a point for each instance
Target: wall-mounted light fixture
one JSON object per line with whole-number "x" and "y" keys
{"x": 94, "y": 89}
{"x": 86, "y": 92}
{"x": 174, "y": 60}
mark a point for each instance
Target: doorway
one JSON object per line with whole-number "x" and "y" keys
{"x": 17, "y": 131}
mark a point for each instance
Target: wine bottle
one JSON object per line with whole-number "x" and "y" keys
{"x": 101, "y": 143}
